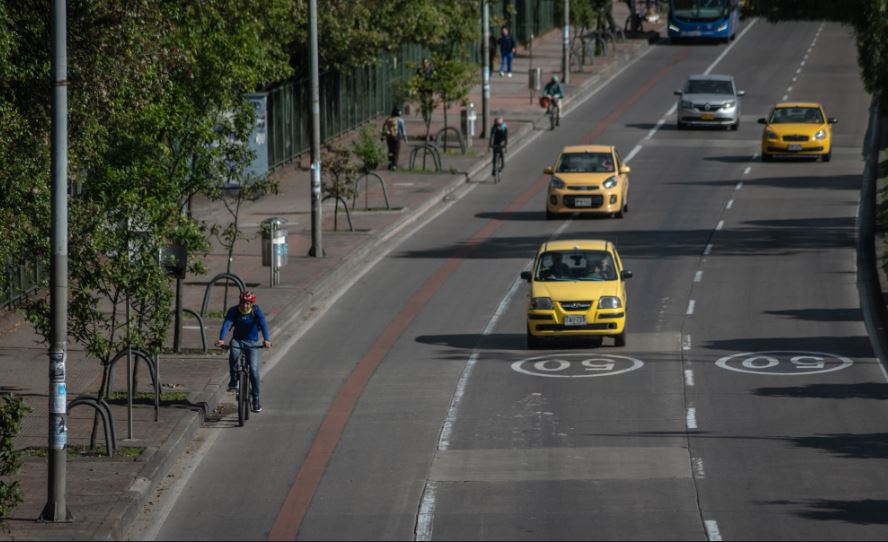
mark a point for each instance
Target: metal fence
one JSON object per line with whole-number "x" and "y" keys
{"x": 17, "y": 281}
{"x": 349, "y": 100}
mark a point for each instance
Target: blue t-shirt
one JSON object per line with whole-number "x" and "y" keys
{"x": 246, "y": 326}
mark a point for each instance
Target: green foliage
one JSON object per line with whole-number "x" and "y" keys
{"x": 367, "y": 149}
{"x": 339, "y": 172}
{"x": 12, "y": 411}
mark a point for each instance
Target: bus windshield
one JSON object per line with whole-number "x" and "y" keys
{"x": 700, "y": 9}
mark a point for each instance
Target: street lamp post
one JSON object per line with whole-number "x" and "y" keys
{"x": 485, "y": 69}
{"x": 565, "y": 48}
{"x": 317, "y": 248}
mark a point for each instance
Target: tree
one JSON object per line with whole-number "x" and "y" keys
{"x": 12, "y": 411}
{"x": 339, "y": 178}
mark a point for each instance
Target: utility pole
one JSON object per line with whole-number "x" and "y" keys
{"x": 485, "y": 68}
{"x": 56, "y": 508}
{"x": 565, "y": 49}
{"x": 317, "y": 248}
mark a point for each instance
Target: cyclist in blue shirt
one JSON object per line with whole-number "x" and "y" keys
{"x": 246, "y": 319}
{"x": 499, "y": 139}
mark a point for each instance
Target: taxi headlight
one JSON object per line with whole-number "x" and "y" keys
{"x": 540, "y": 303}
{"x": 770, "y": 135}
{"x": 609, "y": 302}
{"x": 556, "y": 183}
{"x": 821, "y": 134}
{"x": 610, "y": 182}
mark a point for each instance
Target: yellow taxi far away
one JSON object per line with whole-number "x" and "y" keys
{"x": 589, "y": 179}
{"x": 797, "y": 129}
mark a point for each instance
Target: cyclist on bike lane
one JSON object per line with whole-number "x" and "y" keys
{"x": 247, "y": 320}
{"x": 554, "y": 92}
{"x": 499, "y": 138}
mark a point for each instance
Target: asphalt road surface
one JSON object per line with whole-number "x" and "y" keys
{"x": 746, "y": 404}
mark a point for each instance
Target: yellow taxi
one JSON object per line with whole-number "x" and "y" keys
{"x": 577, "y": 289}
{"x": 797, "y": 129}
{"x": 588, "y": 179}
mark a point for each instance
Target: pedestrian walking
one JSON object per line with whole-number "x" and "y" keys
{"x": 491, "y": 50}
{"x": 507, "y": 51}
{"x": 394, "y": 131}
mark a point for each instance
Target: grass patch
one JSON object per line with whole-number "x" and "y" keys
{"x": 75, "y": 451}
{"x": 147, "y": 397}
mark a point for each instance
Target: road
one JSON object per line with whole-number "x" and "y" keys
{"x": 745, "y": 405}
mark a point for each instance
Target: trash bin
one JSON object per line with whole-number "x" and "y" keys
{"x": 535, "y": 78}
{"x": 467, "y": 117}
{"x": 274, "y": 242}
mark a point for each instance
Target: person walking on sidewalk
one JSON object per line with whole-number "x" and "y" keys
{"x": 499, "y": 139}
{"x": 247, "y": 319}
{"x": 507, "y": 51}
{"x": 394, "y": 131}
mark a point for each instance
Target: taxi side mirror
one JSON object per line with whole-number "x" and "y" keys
{"x": 525, "y": 275}
{"x": 625, "y": 169}
{"x": 625, "y": 274}
{"x": 741, "y": 93}
{"x": 548, "y": 170}
{"x": 762, "y": 121}
{"x": 833, "y": 120}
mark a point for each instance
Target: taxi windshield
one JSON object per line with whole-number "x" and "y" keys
{"x": 786, "y": 115}
{"x": 575, "y": 265}
{"x": 586, "y": 162}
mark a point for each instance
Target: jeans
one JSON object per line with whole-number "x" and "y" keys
{"x": 506, "y": 63}
{"x": 252, "y": 356}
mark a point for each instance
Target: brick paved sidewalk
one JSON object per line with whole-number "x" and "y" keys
{"x": 105, "y": 494}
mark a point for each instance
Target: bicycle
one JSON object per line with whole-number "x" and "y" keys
{"x": 552, "y": 111}
{"x": 243, "y": 388}
{"x": 499, "y": 160}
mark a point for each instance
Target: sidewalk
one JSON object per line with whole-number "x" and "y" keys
{"x": 105, "y": 494}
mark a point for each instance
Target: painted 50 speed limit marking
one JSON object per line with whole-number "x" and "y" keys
{"x": 574, "y": 365}
{"x": 784, "y": 362}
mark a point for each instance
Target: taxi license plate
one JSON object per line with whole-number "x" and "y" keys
{"x": 795, "y": 147}
{"x": 575, "y": 320}
{"x": 707, "y": 116}
{"x": 582, "y": 202}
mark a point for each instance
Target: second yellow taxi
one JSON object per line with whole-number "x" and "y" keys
{"x": 797, "y": 129}
{"x": 588, "y": 179}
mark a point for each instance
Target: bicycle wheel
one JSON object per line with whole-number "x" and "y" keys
{"x": 243, "y": 396}
{"x": 553, "y": 111}
{"x": 498, "y": 167}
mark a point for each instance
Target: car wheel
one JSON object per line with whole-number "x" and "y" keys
{"x": 766, "y": 157}
{"x": 620, "y": 340}
{"x": 826, "y": 157}
{"x": 595, "y": 342}
{"x": 735, "y": 126}
{"x": 618, "y": 214}
{"x": 550, "y": 215}
{"x": 533, "y": 343}
{"x": 680, "y": 125}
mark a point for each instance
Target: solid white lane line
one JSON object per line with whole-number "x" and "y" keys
{"x": 691, "y": 304}
{"x": 708, "y": 249}
{"x": 698, "y": 276}
{"x": 426, "y": 511}
{"x": 691, "y": 418}
{"x": 720, "y": 225}
{"x": 747, "y": 170}
{"x": 712, "y": 530}
{"x": 729, "y": 47}
{"x": 632, "y": 153}
{"x": 739, "y": 186}
{"x": 656, "y": 127}
{"x": 689, "y": 377}
{"x": 699, "y": 473}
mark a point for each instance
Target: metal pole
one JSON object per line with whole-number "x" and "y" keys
{"x": 565, "y": 49}
{"x": 177, "y": 331}
{"x": 485, "y": 68}
{"x": 317, "y": 248}
{"x": 56, "y": 508}
{"x": 272, "y": 252}
{"x": 129, "y": 375}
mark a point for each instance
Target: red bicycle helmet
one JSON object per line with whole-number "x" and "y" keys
{"x": 247, "y": 295}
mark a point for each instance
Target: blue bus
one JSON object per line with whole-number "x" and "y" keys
{"x": 705, "y": 19}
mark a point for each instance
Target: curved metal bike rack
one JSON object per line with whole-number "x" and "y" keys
{"x": 203, "y": 328}
{"x": 230, "y": 277}
{"x": 427, "y": 149}
{"x": 365, "y": 178}
{"x": 104, "y": 412}
{"x": 336, "y": 209}
{"x": 446, "y": 130}
{"x": 138, "y": 353}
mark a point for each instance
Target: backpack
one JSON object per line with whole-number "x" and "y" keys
{"x": 390, "y": 128}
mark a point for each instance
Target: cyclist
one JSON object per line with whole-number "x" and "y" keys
{"x": 499, "y": 138}
{"x": 555, "y": 93}
{"x": 247, "y": 319}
